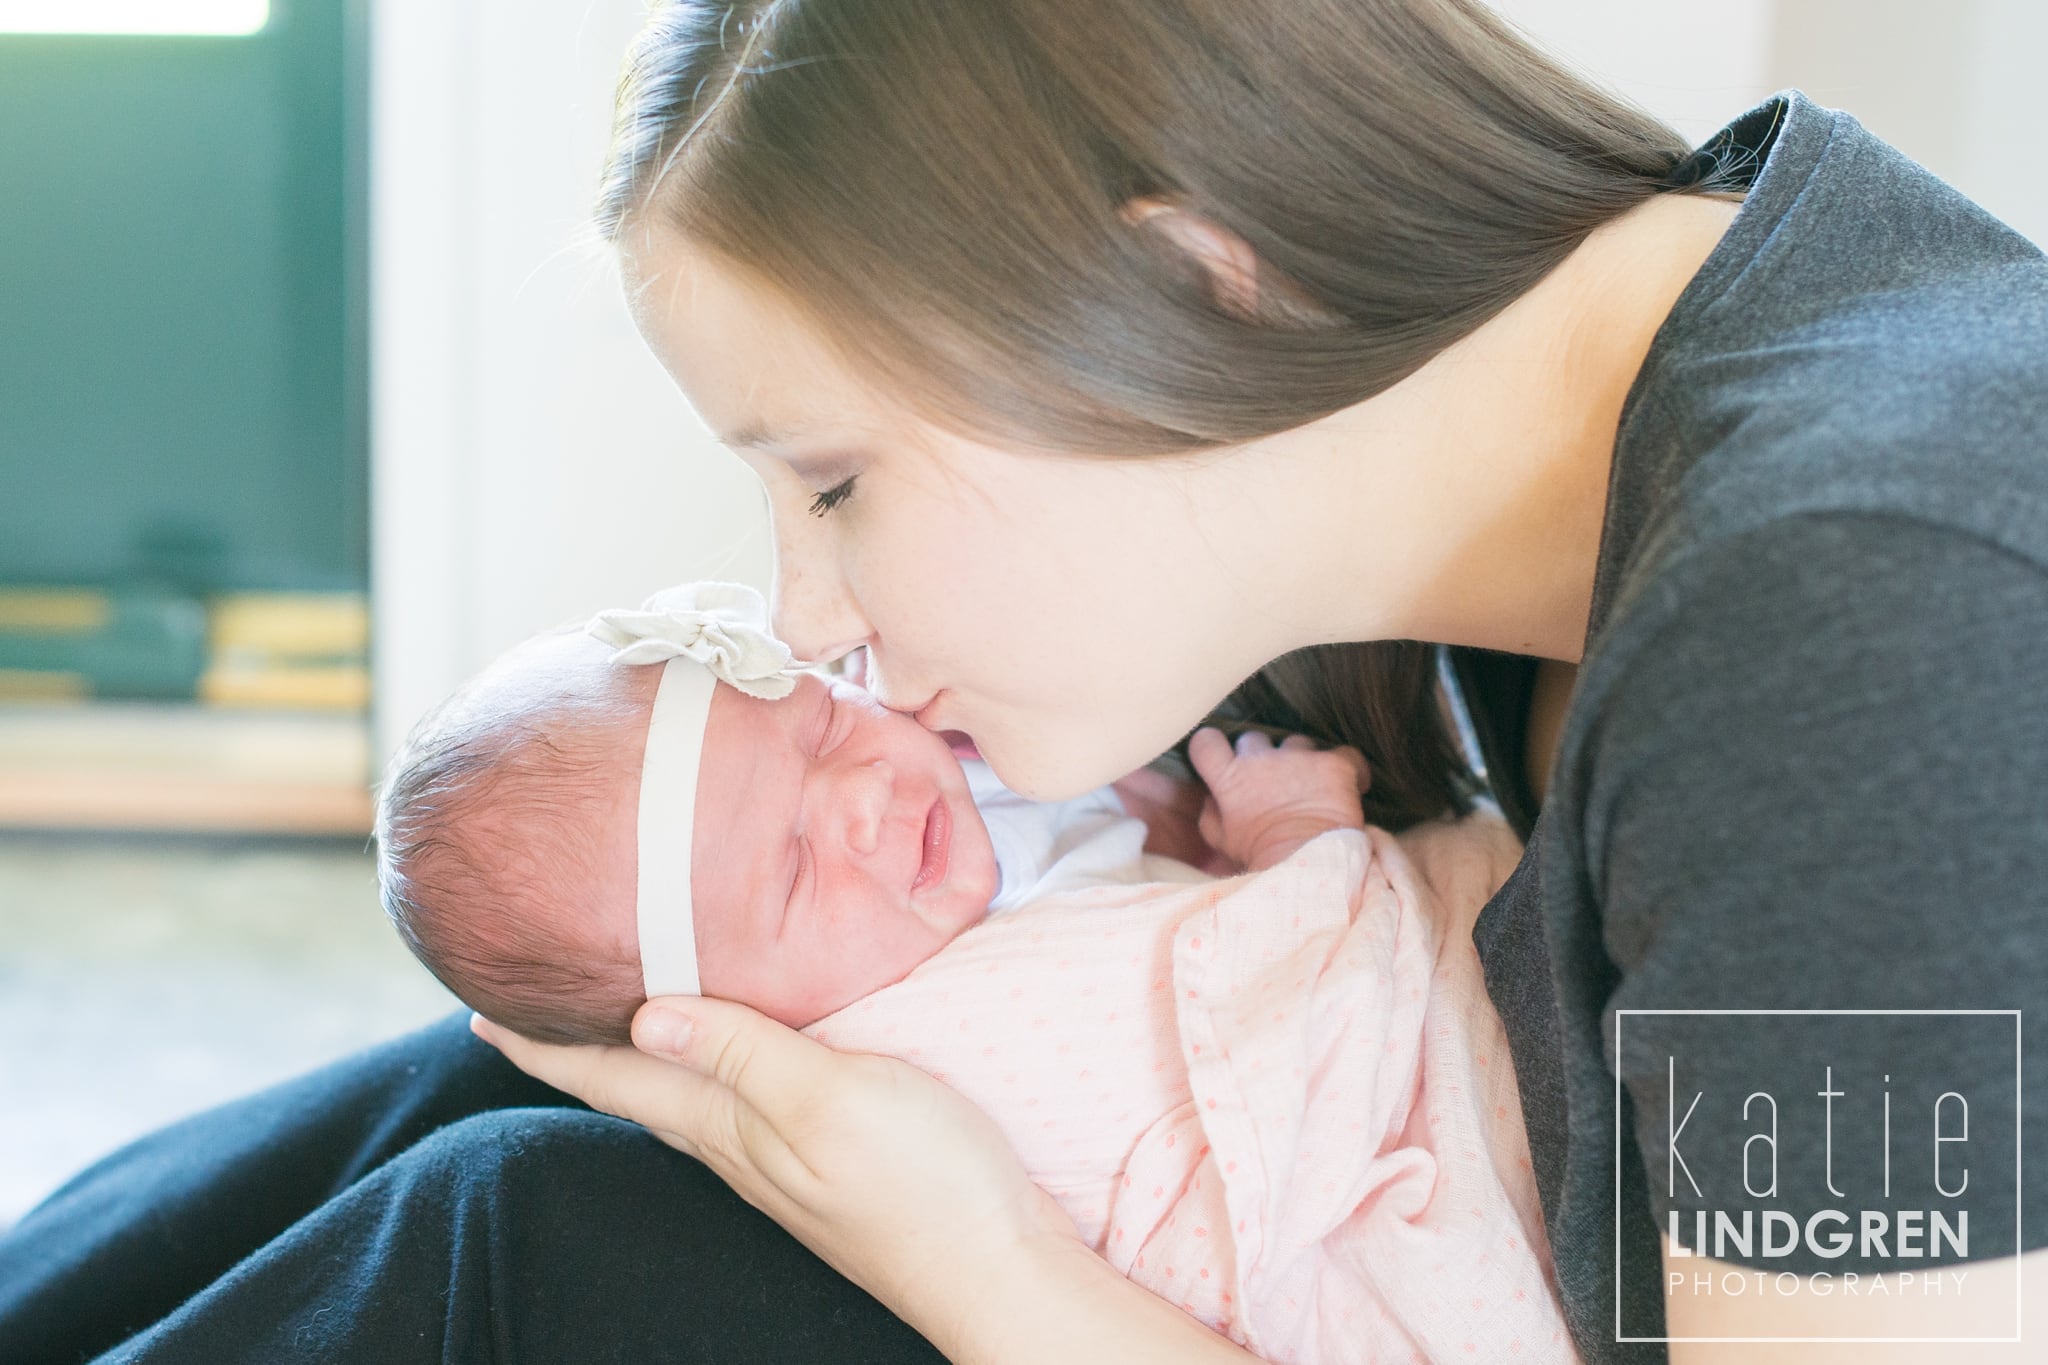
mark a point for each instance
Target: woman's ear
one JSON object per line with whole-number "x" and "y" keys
{"x": 1229, "y": 261}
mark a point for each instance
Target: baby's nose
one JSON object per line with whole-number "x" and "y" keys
{"x": 866, "y": 793}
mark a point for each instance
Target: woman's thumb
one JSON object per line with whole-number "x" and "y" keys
{"x": 664, "y": 1029}
{"x": 723, "y": 1039}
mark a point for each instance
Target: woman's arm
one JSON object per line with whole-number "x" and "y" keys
{"x": 1066, "y": 1305}
{"x": 894, "y": 1180}
{"x": 1810, "y": 818}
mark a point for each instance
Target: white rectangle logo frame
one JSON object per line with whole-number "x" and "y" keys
{"x": 2019, "y": 1131}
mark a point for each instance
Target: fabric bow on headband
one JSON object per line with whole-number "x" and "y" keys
{"x": 723, "y": 626}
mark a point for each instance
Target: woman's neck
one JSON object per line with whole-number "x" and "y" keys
{"x": 1465, "y": 504}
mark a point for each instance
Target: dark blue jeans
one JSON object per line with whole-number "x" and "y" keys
{"x": 422, "y": 1201}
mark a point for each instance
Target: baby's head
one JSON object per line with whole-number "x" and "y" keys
{"x": 793, "y": 853}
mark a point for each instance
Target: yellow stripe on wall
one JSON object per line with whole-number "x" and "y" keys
{"x": 340, "y": 688}
{"x": 54, "y": 611}
{"x": 302, "y": 625}
{"x": 22, "y": 684}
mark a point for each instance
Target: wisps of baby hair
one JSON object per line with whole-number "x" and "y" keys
{"x": 489, "y": 859}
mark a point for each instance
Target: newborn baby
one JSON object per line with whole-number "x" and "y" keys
{"x": 673, "y": 805}
{"x": 1280, "y": 1100}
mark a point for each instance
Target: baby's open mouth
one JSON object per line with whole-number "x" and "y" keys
{"x": 938, "y": 844}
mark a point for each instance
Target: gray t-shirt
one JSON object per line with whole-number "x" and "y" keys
{"x": 1805, "y": 767}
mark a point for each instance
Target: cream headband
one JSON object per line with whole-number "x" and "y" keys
{"x": 702, "y": 634}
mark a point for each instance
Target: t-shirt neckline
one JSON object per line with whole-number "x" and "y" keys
{"x": 1771, "y": 151}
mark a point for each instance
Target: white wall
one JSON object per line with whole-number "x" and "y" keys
{"x": 1695, "y": 66}
{"x": 1957, "y": 86}
{"x": 530, "y": 461}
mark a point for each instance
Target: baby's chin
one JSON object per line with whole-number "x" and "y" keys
{"x": 978, "y": 878}
{"x": 962, "y": 905}
{"x": 973, "y": 910}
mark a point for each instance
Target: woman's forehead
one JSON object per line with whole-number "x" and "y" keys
{"x": 760, "y": 372}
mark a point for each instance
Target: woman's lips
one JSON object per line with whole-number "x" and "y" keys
{"x": 957, "y": 740}
{"x": 938, "y": 846}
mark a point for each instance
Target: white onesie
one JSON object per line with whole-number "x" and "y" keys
{"x": 1047, "y": 846}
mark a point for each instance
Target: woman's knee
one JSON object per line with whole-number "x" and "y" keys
{"x": 548, "y": 1154}
{"x": 514, "y": 1137}
{"x": 523, "y": 1218}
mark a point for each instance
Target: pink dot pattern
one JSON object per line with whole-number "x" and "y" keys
{"x": 1281, "y": 1102}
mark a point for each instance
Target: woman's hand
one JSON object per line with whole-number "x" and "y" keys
{"x": 896, "y": 1181}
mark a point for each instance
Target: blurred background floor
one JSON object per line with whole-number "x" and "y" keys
{"x": 141, "y": 980}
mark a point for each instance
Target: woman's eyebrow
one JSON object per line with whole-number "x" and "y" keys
{"x": 817, "y": 469}
{"x": 759, "y": 432}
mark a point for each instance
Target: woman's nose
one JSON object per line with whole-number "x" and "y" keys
{"x": 812, "y": 610}
{"x": 866, "y": 791}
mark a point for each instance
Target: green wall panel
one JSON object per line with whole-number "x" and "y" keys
{"x": 181, "y": 393}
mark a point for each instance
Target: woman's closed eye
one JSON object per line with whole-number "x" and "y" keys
{"x": 833, "y": 496}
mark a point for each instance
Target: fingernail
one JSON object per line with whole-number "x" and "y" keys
{"x": 666, "y": 1031}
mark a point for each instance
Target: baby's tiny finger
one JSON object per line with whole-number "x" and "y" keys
{"x": 1297, "y": 742}
{"x": 1209, "y": 751}
{"x": 1254, "y": 742}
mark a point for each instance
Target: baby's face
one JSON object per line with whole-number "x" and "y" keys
{"x": 836, "y": 848}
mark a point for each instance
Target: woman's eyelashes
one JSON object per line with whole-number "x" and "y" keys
{"x": 833, "y": 496}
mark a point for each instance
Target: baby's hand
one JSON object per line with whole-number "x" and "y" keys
{"x": 1264, "y": 802}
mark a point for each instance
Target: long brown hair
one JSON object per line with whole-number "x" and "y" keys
{"x": 941, "y": 185}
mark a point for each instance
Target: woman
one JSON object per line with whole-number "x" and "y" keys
{"x": 1094, "y": 357}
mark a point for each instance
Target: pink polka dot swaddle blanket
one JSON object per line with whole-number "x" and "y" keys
{"x": 1281, "y": 1101}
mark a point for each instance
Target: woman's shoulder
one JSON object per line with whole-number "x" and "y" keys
{"x": 1926, "y": 406}
{"x": 1864, "y": 340}
{"x": 1928, "y": 401}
